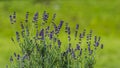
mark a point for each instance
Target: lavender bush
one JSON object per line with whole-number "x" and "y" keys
{"x": 42, "y": 45}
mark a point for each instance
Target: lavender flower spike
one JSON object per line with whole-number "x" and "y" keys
{"x": 42, "y": 34}
{"x": 11, "y": 59}
{"x": 77, "y": 47}
{"x": 60, "y": 25}
{"x": 77, "y": 26}
{"x": 95, "y": 39}
{"x": 45, "y": 16}
{"x": 22, "y": 26}
{"x": 27, "y": 14}
{"x": 17, "y": 36}
{"x": 59, "y": 43}
{"x": 76, "y": 32}
{"x": 68, "y": 30}
{"x": 35, "y": 18}
{"x": 73, "y": 54}
{"x": 14, "y": 17}
{"x": 18, "y": 57}
{"x": 51, "y": 35}
{"x": 11, "y": 19}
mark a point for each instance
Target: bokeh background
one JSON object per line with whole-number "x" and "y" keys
{"x": 102, "y": 16}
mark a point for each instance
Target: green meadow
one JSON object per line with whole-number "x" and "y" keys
{"x": 101, "y": 16}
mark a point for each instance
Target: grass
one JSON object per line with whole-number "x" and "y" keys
{"x": 101, "y": 16}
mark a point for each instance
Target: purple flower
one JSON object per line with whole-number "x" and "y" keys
{"x": 66, "y": 27}
{"x": 88, "y": 37}
{"x": 59, "y": 43}
{"x": 89, "y": 48}
{"x": 77, "y": 26}
{"x": 68, "y": 30}
{"x": 95, "y": 39}
{"x": 45, "y": 16}
{"x": 51, "y": 35}
{"x": 47, "y": 30}
{"x": 69, "y": 38}
{"x": 89, "y": 43}
{"x": 97, "y": 44}
{"x": 76, "y": 34}
{"x": 14, "y": 17}
{"x": 22, "y": 33}
{"x": 90, "y": 52}
{"x": 77, "y": 47}
{"x": 18, "y": 57}
{"x": 22, "y": 26}
{"x": 73, "y": 54}
{"x": 27, "y": 14}
{"x": 17, "y": 36}
{"x": 11, "y": 59}
{"x": 42, "y": 34}
{"x": 24, "y": 57}
{"x": 55, "y": 27}
{"x": 11, "y": 19}
{"x": 80, "y": 36}
{"x": 35, "y": 18}
{"x": 84, "y": 32}
{"x": 59, "y": 27}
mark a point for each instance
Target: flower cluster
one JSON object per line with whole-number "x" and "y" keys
{"x": 42, "y": 45}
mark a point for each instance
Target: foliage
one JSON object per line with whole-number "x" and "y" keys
{"x": 41, "y": 45}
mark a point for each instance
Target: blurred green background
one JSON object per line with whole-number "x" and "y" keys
{"x": 102, "y": 16}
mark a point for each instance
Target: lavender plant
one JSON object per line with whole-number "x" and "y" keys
{"x": 42, "y": 45}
